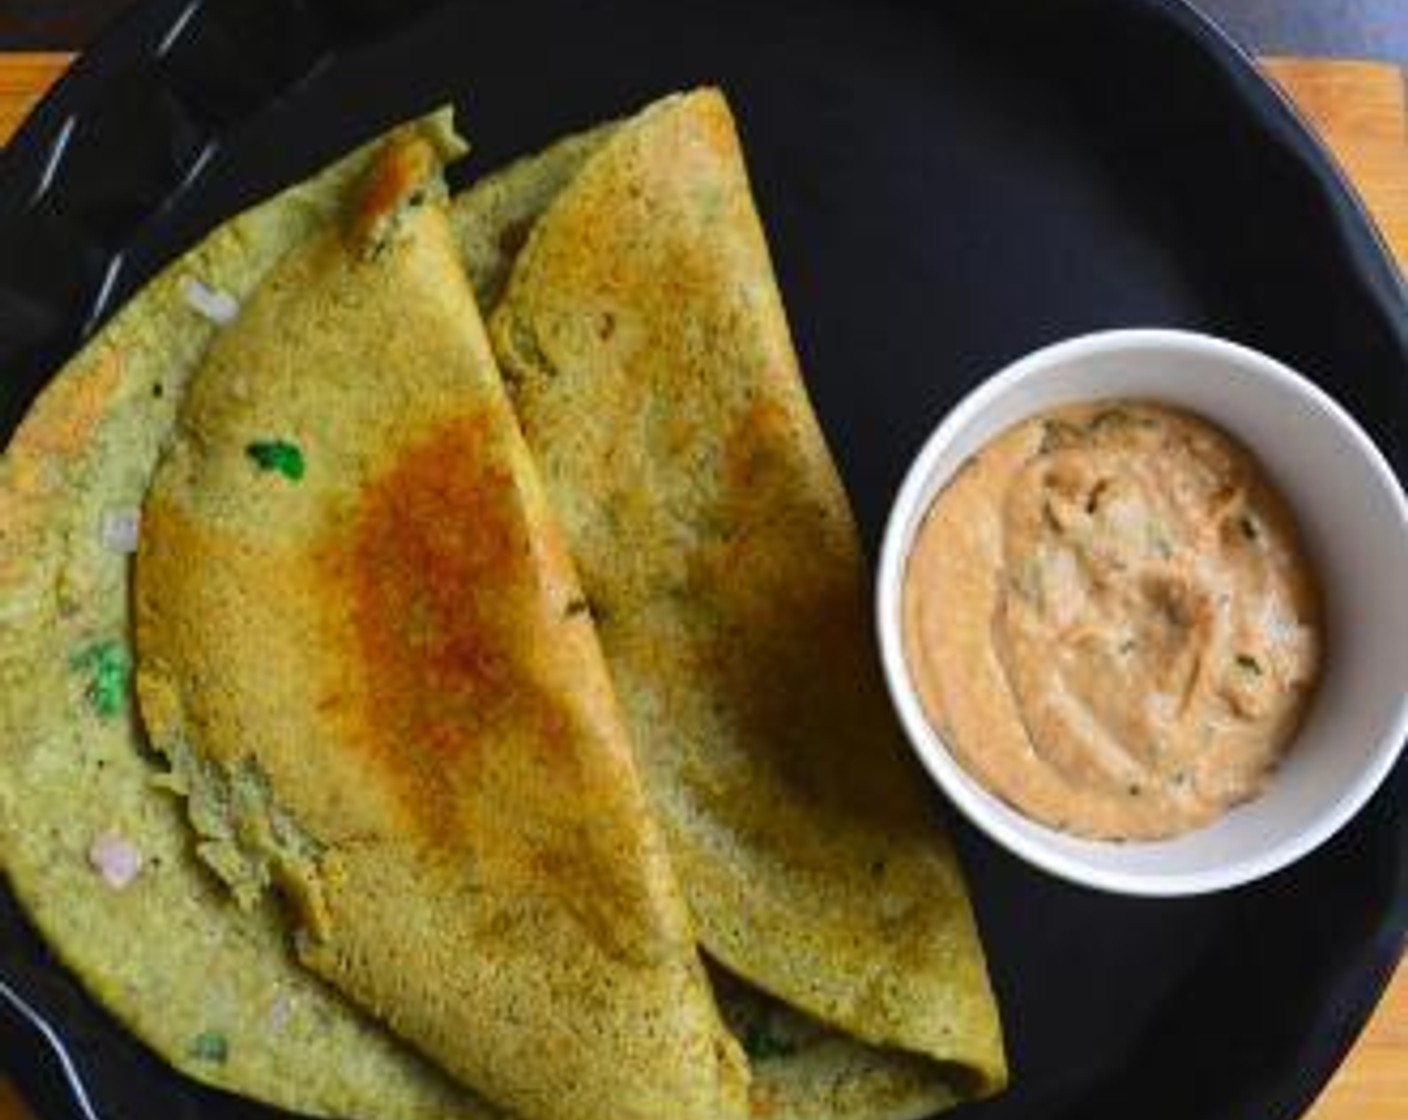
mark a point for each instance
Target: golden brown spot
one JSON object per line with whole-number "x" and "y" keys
{"x": 439, "y": 540}
{"x": 713, "y": 124}
{"x": 66, "y": 416}
{"x": 59, "y": 429}
{"x": 438, "y": 568}
{"x": 404, "y": 168}
{"x": 752, "y": 449}
{"x": 762, "y": 1102}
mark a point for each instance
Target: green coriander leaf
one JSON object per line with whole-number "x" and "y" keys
{"x": 277, "y": 455}
{"x": 1058, "y": 434}
{"x": 1113, "y": 418}
{"x": 109, "y": 672}
{"x": 1249, "y": 664}
{"x": 210, "y": 1046}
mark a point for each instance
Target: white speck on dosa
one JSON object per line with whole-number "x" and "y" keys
{"x": 119, "y": 528}
{"x": 116, "y": 860}
{"x": 216, "y": 305}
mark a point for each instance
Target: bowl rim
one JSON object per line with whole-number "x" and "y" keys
{"x": 912, "y": 502}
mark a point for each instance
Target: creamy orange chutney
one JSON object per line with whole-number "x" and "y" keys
{"x": 1111, "y": 620}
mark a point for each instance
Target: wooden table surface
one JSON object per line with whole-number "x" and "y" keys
{"x": 1360, "y": 109}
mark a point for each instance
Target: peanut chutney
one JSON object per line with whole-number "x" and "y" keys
{"x": 1111, "y": 620}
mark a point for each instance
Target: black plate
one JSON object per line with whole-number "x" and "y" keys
{"x": 946, "y": 185}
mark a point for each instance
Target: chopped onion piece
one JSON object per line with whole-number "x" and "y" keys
{"x": 116, "y": 860}
{"x": 216, "y": 305}
{"x": 119, "y": 529}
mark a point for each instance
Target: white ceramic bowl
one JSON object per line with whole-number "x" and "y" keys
{"x": 1354, "y": 520}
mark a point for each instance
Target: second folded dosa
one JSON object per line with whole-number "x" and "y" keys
{"x": 641, "y": 332}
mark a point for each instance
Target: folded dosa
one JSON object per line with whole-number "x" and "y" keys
{"x": 362, "y": 644}
{"x": 98, "y": 855}
{"x": 641, "y": 332}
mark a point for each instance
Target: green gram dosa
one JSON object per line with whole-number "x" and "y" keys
{"x": 359, "y": 639}
{"x": 213, "y": 989}
{"x": 638, "y": 323}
